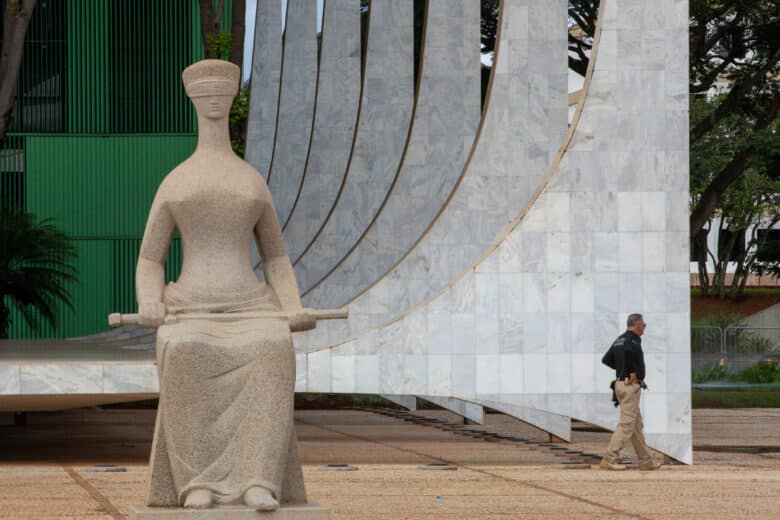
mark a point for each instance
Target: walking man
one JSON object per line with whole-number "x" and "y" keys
{"x": 626, "y": 358}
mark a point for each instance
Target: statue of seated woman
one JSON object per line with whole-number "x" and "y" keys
{"x": 224, "y": 431}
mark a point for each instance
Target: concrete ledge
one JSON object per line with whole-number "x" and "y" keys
{"x": 311, "y": 511}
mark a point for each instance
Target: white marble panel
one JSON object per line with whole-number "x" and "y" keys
{"x": 535, "y": 373}
{"x": 558, "y": 292}
{"x": 511, "y": 373}
{"x": 583, "y": 332}
{"x": 439, "y": 375}
{"x": 582, "y": 293}
{"x": 445, "y": 119}
{"x": 630, "y": 252}
{"x": 264, "y": 97}
{"x": 62, "y": 378}
{"x": 654, "y": 211}
{"x": 343, "y": 373}
{"x": 10, "y": 379}
{"x": 510, "y": 293}
{"x": 464, "y": 375}
{"x": 338, "y": 98}
{"x": 296, "y": 105}
{"x": 383, "y": 127}
{"x": 583, "y": 373}
{"x": 655, "y": 412}
{"x": 301, "y": 372}
{"x": 367, "y": 374}
{"x": 140, "y": 378}
{"x": 559, "y": 374}
{"x": 489, "y": 339}
{"x": 318, "y": 371}
{"x": 487, "y": 374}
{"x": 654, "y": 251}
{"x": 415, "y": 374}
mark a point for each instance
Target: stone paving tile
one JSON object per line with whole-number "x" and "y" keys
{"x": 524, "y": 484}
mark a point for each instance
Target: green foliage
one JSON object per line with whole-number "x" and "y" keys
{"x": 722, "y": 320}
{"x": 219, "y": 45}
{"x": 239, "y": 113}
{"x": 36, "y": 264}
{"x": 752, "y": 200}
{"x": 761, "y": 373}
{"x": 710, "y": 373}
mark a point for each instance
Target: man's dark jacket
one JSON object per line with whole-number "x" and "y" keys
{"x": 625, "y": 356}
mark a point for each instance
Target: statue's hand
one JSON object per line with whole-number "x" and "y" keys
{"x": 302, "y": 321}
{"x": 151, "y": 314}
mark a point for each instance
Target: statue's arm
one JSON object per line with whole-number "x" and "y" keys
{"x": 276, "y": 263}
{"x": 150, "y": 271}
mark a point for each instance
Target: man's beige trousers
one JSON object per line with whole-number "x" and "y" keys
{"x": 630, "y": 426}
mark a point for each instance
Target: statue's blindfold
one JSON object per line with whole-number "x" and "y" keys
{"x": 212, "y": 88}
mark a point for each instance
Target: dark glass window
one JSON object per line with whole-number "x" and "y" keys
{"x": 724, "y": 240}
{"x": 41, "y": 90}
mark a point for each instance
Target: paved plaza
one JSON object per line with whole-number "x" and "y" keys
{"x": 737, "y": 472}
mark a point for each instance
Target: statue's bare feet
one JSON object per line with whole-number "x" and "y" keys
{"x": 260, "y": 499}
{"x": 199, "y": 499}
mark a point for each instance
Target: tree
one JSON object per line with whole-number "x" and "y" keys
{"x": 737, "y": 43}
{"x": 219, "y": 44}
{"x": 582, "y": 27}
{"x": 750, "y": 203}
{"x": 16, "y": 18}
{"x": 35, "y": 268}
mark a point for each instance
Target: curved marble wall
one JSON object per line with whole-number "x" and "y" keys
{"x": 445, "y": 123}
{"x": 383, "y": 130}
{"x": 264, "y": 94}
{"x": 523, "y": 329}
{"x": 296, "y": 105}
{"x": 338, "y": 99}
{"x": 524, "y": 122}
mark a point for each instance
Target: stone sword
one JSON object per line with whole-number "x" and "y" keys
{"x": 117, "y": 320}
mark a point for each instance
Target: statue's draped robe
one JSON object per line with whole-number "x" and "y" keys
{"x": 225, "y": 419}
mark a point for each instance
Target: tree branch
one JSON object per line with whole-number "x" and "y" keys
{"x": 16, "y": 19}
{"x": 734, "y": 96}
{"x": 730, "y": 173}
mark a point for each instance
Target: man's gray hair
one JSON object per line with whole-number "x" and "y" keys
{"x": 633, "y": 319}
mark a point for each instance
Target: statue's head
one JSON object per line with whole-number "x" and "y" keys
{"x": 212, "y": 85}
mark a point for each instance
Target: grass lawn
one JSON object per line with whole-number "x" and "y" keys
{"x": 748, "y": 398}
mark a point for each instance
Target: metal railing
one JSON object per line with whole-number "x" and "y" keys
{"x": 717, "y": 352}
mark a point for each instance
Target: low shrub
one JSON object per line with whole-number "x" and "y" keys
{"x": 761, "y": 373}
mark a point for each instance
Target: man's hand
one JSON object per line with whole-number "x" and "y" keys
{"x": 302, "y": 321}
{"x": 632, "y": 378}
{"x": 151, "y": 314}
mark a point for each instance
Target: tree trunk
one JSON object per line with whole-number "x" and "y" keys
{"x": 16, "y": 18}
{"x": 209, "y": 27}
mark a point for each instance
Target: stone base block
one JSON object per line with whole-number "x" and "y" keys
{"x": 309, "y": 511}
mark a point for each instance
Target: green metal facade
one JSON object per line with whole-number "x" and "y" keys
{"x": 101, "y": 117}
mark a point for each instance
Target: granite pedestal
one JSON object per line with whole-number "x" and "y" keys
{"x": 310, "y": 511}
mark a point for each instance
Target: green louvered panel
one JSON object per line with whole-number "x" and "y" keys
{"x": 99, "y": 190}
{"x": 106, "y": 284}
{"x": 88, "y": 65}
{"x": 100, "y": 186}
{"x": 150, "y": 46}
